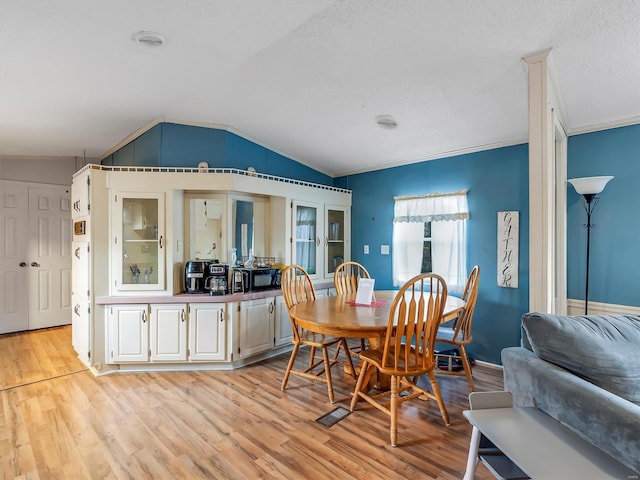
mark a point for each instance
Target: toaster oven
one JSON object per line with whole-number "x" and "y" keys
{"x": 255, "y": 279}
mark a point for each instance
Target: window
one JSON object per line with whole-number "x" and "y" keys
{"x": 426, "y": 250}
{"x": 429, "y": 235}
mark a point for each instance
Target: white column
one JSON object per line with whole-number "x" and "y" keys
{"x": 541, "y": 185}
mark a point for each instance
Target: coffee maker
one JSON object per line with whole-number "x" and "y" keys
{"x": 216, "y": 280}
{"x": 195, "y": 272}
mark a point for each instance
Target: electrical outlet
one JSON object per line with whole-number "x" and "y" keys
{"x": 384, "y": 249}
{"x": 366, "y": 249}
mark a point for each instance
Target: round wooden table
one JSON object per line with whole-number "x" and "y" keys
{"x": 334, "y": 316}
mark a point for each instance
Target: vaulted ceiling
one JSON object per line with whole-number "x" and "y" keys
{"x": 307, "y": 78}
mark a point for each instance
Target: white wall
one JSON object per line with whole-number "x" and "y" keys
{"x": 52, "y": 170}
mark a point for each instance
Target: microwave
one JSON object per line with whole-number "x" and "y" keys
{"x": 255, "y": 279}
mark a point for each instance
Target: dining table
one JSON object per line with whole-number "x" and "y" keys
{"x": 339, "y": 315}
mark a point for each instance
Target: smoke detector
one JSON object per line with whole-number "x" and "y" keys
{"x": 150, "y": 39}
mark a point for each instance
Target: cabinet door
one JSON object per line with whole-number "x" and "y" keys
{"x": 169, "y": 333}
{"x": 337, "y": 233}
{"x": 207, "y": 332}
{"x": 256, "y": 326}
{"x": 80, "y": 295}
{"x": 283, "y": 324}
{"x": 307, "y": 232}
{"x": 128, "y": 334}
{"x": 139, "y": 241}
{"x": 81, "y": 195}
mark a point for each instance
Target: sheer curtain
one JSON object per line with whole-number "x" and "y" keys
{"x": 448, "y": 214}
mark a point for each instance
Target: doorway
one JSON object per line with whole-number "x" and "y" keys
{"x": 35, "y": 256}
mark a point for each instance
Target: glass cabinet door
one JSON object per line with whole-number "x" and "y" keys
{"x": 335, "y": 239}
{"x": 306, "y": 236}
{"x": 140, "y": 246}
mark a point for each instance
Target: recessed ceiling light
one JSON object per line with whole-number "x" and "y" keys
{"x": 386, "y": 121}
{"x": 151, "y": 39}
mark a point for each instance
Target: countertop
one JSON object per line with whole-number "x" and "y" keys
{"x": 149, "y": 297}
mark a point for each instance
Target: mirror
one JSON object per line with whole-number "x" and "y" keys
{"x": 249, "y": 227}
{"x": 206, "y": 239}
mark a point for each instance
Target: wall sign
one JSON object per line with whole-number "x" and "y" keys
{"x": 508, "y": 239}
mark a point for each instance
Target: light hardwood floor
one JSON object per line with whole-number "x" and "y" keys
{"x": 59, "y": 421}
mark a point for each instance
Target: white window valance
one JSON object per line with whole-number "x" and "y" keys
{"x": 431, "y": 208}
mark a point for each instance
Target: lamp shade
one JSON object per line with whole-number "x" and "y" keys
{"x": 589, "y": 185}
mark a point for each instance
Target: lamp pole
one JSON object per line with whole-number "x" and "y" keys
{"x": 590, "y": 201}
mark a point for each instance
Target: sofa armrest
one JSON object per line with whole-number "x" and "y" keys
{"x": 606, "y": 420}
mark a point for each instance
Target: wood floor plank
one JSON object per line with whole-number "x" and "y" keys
{"x": 59, "y": 421}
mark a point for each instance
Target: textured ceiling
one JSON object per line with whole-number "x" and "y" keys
{"x": 308, "y": 77}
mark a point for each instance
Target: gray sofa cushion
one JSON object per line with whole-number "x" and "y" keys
{"x": 604, "y": 350}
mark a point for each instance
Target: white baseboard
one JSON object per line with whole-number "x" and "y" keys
{"x": 576, "y": 307}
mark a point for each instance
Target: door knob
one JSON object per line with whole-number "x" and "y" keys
{"x": 23, "y": 264}
{"x": 35, "y": 264}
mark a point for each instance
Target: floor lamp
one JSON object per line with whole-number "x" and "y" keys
{"x": 589, "y": 187}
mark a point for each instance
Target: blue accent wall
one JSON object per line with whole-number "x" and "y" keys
{"x": 176, "y": 145}
{"x": 614, "y": 274}
{"x": 496, "y": 180}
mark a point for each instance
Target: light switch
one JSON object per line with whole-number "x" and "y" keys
{"x": 366, "y": 249}
{"x": 384, "y": 249}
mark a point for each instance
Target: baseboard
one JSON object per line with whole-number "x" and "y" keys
{"x": 576, "y": 307}
{"x": 494, "y": 366}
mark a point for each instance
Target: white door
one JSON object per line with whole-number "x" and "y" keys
{"x": 14, "y": 259}
{"x": 50, "y": 237}
{"x": 207, "y": 332}
{"x": 168, "y": 333}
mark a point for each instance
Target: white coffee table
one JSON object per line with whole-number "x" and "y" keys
{"x": 539, "y": 445}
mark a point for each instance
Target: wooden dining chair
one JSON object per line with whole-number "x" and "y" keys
{"x": 345, "y": 280}
{"x": 408, "y": 350}
{"x": 297, "y": 288}
{"x": 459, "y": 333}
{"x": 347, "y": 276}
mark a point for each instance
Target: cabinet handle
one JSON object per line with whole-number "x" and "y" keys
{"x": 326, "y": 241}
{"x": 222, "y": 315}
{"x": 76, "y": 309}
{"x": 160, "y": 241}
{"x": 77, "y": 253}
{"x": 317, "y": 241}
{"x": 144, "y": 316}
{"x": 182, "y": 315}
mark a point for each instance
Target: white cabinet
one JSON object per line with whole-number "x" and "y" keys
{"x": 168, "y": 330}
{"x": 337, "y": 238}
{"x": 256, "y": 326}
{"x": 81, "y": 194}
{"x": 207, "y": 332}
{"x": 81, "y": 331}
{"x": 283, "y": 334}
{"x": 306, "y": 236}
{"x": 138, "y": 260}
{"x": 321, "y": 238}
{"x": 128, "y": 333}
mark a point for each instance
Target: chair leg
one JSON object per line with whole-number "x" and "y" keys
{"x": 347, "y": 354}
{"x": 467, "y": 367}
{"x": 438, "y": 396}
{"x": 287, "y": 373}
{"x": 312, "y": 356}
{"x": 393, "y": 410}
{"x": 327, "y": 372}
{"x": 365, "y": 373}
